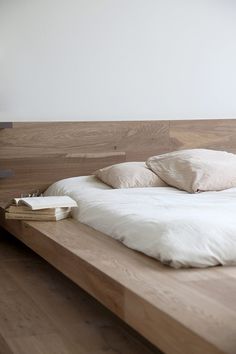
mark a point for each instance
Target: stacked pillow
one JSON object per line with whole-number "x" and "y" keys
{"x": 195, "y": 170}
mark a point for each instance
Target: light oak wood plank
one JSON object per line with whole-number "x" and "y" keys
{"x": 19, "y": 315}
{"x": 40, "y": 344}
{"x": 179, "y": 311}
{"x": 73, "y": 323}
{"x": 224, "y": 294}
{"x": 168, "y": 311}
{"x": 137, "y": 139}
{"x": 32, "y": 174}
{"x": 211, "y": 134}
{"x": 41, "y": 153}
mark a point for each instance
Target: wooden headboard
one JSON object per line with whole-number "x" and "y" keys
{"x": 38, "y": 154}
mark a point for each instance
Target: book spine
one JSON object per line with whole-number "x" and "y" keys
{"x": 26, "y": 210}
{"x": 36, "y": 217}
{"x": 11, "y": 216}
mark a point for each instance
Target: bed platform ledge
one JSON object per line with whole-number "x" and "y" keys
{"x": 159, "y": 302}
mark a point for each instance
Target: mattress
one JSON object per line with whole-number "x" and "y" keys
{"x": 175, "y": 227}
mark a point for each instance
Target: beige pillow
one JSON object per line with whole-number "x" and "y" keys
{"x": 196, "y": 170}
{"x": 129, "y": 175}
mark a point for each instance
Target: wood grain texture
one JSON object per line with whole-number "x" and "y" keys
{"x": 136, "y": 139}
{"x": 37, "y": 173}
{"x": 211, "y": 134}
{"x": 171, "y": 308}
{"x": 182, "y": 311}
{"x": 42, "y": 153}
{"x": 43, "y": 312}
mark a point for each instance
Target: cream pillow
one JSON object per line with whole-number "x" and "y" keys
{"x": 129, "y": 175}
{"x": 196, "y": 170}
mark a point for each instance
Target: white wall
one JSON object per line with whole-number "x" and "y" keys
{"x": 117, "y": 59}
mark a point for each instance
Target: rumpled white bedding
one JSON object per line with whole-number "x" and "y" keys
{"x": 173, "y": 226}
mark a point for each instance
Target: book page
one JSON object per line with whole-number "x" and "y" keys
{"x": 36, "y": 203}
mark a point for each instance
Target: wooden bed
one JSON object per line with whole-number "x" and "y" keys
{"x": 179, "y": 311}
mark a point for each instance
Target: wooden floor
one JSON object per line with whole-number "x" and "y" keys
{"x": 43, "y": 312}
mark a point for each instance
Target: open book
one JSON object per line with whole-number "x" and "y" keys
{"x": 37, "y": 203}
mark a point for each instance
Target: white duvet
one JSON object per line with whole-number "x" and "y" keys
{"x": 175, "y": 227}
